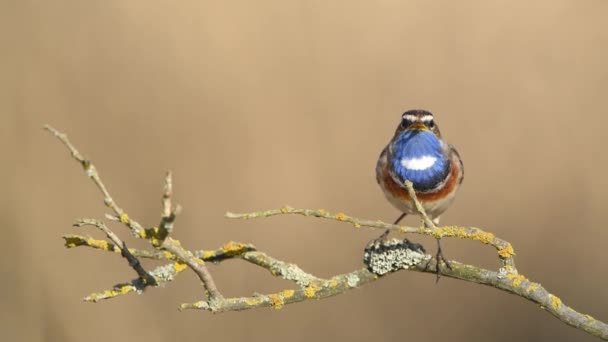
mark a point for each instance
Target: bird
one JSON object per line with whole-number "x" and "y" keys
{"x": 418, "y": 153}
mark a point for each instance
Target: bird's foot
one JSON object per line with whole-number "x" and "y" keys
{"x": 439, "y": 258}
{"x": 380, "y": 239}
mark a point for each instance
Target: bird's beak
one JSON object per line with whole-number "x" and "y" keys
{"x": 418, "y": 126}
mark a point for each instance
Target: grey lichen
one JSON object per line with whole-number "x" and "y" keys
{"x": 164, "y": 274}
{"x": 382, "y": 257}
{"x": 352, "y": 280}
{"x": 293, "y": 273}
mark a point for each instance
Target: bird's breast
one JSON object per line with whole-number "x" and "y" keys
{"x": 419, "y": 157}
{"x": 434, "y": 202}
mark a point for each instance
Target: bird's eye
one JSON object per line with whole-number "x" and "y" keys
{"x": 405, "y": 121}
{"x": 431, "y": 124}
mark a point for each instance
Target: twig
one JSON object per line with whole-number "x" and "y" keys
{"x": 197, "y": 265}
{"x": 124, "y": 251}
{"x": 504, "y": 248}
{"x": 162, "y": 274}
{"x": 228, "y": 251}
{"x": 91, "y": 171}
{"x": 157, "y": 236}
{"x": 412, "y": 193}
{"x": 169, "y": 212}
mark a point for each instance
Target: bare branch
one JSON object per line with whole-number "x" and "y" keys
{"x": 196, "y": 264}
{"x": 91, "y": 171}
{"x": 169, "y": 212}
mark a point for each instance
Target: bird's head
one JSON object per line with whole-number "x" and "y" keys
{"x": 418, "y": 120}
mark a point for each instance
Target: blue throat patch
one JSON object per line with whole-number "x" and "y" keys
{"x": 417, "y": 157}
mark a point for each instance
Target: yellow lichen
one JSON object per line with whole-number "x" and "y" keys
{"x": 463, "y": 233}
{"x": 340, "y": 216}
{"x": 555, "y": 302}
{"x": 168, "y": 255}
{"x": 125, "y": 289}
{"x": 72, "y": 241}
{"x": 101, "y": 244}
{"x": 311, "y": 290}
{"x": 276, "y": 301}
{"x": 450, "y": 231}
{"x": 179, "y": 266}
{"x": 517, "y": 280}
{"x": 124, "y": 218}
{"x": 285, "y": 209}
{"x": 509, "y": 269}
{"x": 322, "y": 212}
{"x": 333, "y": 283}
{"x": 484, "y": 237}
{"x": 589, "y": 317}
{"x": 253, "y": 301}
{"x": 95, "y": 297}
{"x": 357, "y": 225}
{"x": 533, "y": 287}
{"x": 143, "y": 234}
{"x": 232, "y": 247}
{"x": 151, "y": 234}
{"x": 208, "y": 254}
{"x": 288, "y": 293}
{"x": 506, "y": 252}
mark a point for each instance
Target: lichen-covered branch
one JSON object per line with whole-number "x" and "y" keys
{"x": 381, "y": 258}
{"x": 146, "y": 278}
{"x": 158, "y": 236}
{"x": 173, "y": 246}
{"x": 92, "y": 173}
{"x": 505, "y": 250}
{"x": 312, "y": 287}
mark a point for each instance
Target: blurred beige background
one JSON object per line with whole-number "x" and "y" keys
{"x": 256, "y": 104}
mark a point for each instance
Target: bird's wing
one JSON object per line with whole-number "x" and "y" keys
{"x": 381, "y": 163}
{"x": 454, "y": 153}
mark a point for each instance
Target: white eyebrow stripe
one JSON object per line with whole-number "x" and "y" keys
{"x": 418, "y": 164}
{"x": 410, "y": 117}
{"x": 414, "y": 118}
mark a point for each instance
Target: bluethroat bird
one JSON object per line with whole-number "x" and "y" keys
{"x": 418, "y": 153}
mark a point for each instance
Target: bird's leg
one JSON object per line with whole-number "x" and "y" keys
{"x": 399, "y": 218}
{"x": 385, "y": 234}
{"x": 439, "y": 255}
